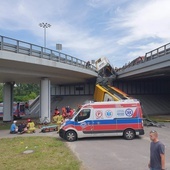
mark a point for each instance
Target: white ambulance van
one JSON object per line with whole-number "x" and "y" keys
{"x": 99, "y": 119}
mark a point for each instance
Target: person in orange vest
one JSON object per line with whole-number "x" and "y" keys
{"x": 71, "y": 113}
{"x": 64, "y": 113}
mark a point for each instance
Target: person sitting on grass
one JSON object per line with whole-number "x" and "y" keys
{"x": 30, "y": 126}
{"x": 22, "y": 128}
{"x": 14, "y": 128}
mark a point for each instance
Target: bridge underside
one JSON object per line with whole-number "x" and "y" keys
{"x": 157, "y": 68}
{"x": 28, "y": 69}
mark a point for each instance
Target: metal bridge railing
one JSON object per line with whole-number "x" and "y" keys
{"x": 21, "y": 47}
{"x": 151, "y": 55}
{"x": 158, "y": 52}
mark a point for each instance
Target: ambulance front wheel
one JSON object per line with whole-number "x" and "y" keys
{"x": 129, "y": 134}
{"x": 71, "y": 136}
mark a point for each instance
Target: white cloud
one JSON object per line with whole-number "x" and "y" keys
{"x": 150, "y": 19}
{"x": 120, "y": 30}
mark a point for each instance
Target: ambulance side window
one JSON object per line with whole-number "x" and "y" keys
{"x": 83, "y": 115}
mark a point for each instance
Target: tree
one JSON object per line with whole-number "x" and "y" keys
{"x": 22, "y": 92}
{"x": 25, "y": 92}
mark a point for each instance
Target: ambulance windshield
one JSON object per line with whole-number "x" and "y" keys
{"x": 76, "y": 111}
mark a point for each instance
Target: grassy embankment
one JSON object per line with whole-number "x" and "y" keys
{"x": 160, "y": 118}
{"x": 48, "y": 153}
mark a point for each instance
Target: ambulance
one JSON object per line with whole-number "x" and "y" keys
{"x": 101, "y": 119}
{"x": 18, "y": 110}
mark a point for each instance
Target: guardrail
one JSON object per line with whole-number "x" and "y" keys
{"x": 151, "y": 55}
{"x": 21, "y": 47}
{"x": 158, "y": 52}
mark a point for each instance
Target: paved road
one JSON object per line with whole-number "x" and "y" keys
{"x": 119, "y": 154}
{"x": 113, "y": 153}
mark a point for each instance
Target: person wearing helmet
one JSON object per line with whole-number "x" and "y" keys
{"x": 30, "y": 126}
{"x": 59, "y": 120}
{"x": 14, "y": 128}
{"x": 28, "y": 120}
{"x": 55, "y": 115}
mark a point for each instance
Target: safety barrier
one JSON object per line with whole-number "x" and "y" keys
{"x": 151, "y": 55}
{"x": 158, "y": 52}
{"x": 21, "y": 47}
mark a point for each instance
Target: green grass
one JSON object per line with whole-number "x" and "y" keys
{"x": 160, "y": 118}
{"x": 5, "y": 126}
{"x": 49, "y": 154}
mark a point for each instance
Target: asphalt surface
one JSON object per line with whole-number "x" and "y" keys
{"x": 116, "y": 153}
{"x": 112, "y": 153}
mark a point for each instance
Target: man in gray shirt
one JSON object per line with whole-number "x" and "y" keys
{"x": 157, "y": 153}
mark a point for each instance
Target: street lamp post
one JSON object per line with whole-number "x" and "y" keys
{"x": 45, "y": 26}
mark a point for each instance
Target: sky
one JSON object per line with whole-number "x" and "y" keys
{"x": 120, "y": 30}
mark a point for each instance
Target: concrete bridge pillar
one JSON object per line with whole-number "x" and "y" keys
{"x": 45, "y": 97}
{"x": 8, "y": 102}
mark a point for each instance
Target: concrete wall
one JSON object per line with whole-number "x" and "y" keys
{"x": 73, "y": 90}
{"x": 144, "y": 87}
{"x": 154, "y": 94}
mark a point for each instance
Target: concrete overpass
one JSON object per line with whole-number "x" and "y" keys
{"x": 22, "y": 62}
{"x": 155, "y": 63}
{"x": 147, "y": 78}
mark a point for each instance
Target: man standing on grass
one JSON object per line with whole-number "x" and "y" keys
{"x": 157, "y": 152}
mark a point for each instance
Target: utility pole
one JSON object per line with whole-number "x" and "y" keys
{"x": 45, "y": 26}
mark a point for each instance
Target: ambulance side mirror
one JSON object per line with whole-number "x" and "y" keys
{"x": 76, "y": 119}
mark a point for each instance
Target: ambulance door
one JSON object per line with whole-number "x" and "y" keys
{"x": 104, "y": 122}
{"x": 84, "y": 123}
